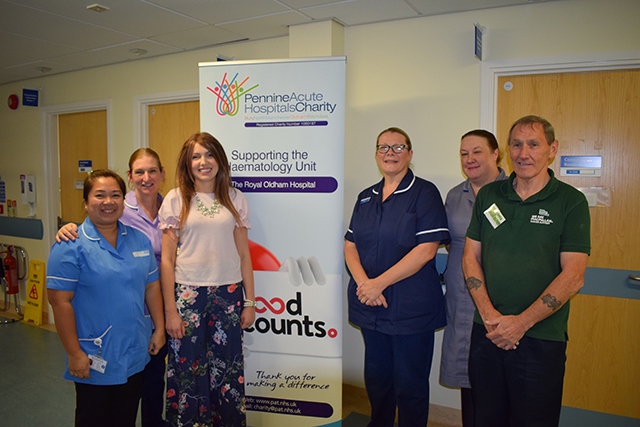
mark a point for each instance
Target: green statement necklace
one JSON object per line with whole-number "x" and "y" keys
{"x": 208, "y": 211}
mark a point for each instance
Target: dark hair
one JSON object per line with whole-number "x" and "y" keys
{"x": 549, "y": 133}
{"x": 492, "y": 142}
{"x": 101, "y": 173}
{"x": 186, "y": 183}
{"x": 396, "y": 130}
{"x": 144, "y": 152}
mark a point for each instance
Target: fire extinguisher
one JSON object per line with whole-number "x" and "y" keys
{"x": 10, "y": 265}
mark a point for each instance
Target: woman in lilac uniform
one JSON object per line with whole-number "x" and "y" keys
{"x": 479, "y": 158}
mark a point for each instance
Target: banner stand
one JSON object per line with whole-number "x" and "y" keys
{"x": 281, "y": 123}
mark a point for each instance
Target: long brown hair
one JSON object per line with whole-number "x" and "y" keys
{"x": 186, "y": 183}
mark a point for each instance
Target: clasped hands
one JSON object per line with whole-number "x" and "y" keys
{"x": 505, "y": 331}
{"x": 370, "y": 293}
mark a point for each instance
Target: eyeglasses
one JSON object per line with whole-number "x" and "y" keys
{"x": 397, "y": 148}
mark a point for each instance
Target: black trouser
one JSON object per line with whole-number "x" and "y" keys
{"x": 516, "y": 388}
{"x": 153, "y": 390}
{"x": 108, "y": 405}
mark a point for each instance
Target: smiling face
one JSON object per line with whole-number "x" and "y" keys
{"x": 105, "y": 202}
{"x": 146, "y": 176}
{"x": 530, "y": 152}
{"x": 392, "y": 163}
{"x": 478, "y": 160}
{"x": 204, "y": 169}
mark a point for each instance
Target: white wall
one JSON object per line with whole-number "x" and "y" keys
{"x": 418, "y": 74}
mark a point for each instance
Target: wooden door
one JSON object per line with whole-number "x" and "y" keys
{"x": 595, "y": 113}
{"x": 81, "y": 136}
{"x": 169, "y": 127}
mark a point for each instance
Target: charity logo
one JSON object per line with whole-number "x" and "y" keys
{"x": 299, "y": 324}
{"x": 541, "y": 218}
{"x": 229, "y": 93}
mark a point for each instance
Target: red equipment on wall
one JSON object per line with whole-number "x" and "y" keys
{"x": 10, "y": 280}
{"x": 10, "y": 265}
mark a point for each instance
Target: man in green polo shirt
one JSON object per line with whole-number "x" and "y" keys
{"x": 525, "y": 255}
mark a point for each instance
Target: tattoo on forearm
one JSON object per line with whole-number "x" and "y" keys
{"x": 473, "y": 283}
{"x": 551, "y": 302}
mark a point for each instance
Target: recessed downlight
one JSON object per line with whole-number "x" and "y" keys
{"x": 98, "y": 8}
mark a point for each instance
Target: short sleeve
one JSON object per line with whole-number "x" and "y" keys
{"x": 475, "y": 225}
{"x": 154, "y": 272}
{"x": 63, "y": 269}
{"x": 241, "y": 204}
{"x": 576, "y": 236}
{"x": 431, "y": 224}
{"x": 349, "y": 233}
{"x": 169, "y": 213}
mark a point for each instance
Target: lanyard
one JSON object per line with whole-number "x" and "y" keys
{"x": 97, "y": 341}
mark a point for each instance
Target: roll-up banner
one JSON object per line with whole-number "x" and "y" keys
{"x": 281, "y": 123}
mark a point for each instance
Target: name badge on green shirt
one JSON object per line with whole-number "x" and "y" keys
{"x": 494, "y": 216}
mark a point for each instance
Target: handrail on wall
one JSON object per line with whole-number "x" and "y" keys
{"x": 30, "y": 228}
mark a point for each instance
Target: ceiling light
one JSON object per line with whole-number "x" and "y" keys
{"x": 138, "y": 52}
{"x": 44, "y": 69}
{"x": 98, "y": 8}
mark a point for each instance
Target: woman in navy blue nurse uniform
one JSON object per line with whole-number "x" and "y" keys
{"x": 97, "y": 286}
{"x": 394, "y": 294}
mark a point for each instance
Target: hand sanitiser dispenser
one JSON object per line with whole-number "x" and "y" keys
{"x": 28, "y": 193}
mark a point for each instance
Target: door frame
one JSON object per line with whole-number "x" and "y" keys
{"x": 491, "y": 70}
{"x": 49, "y": 147}
{"x": 50, "y": 161}
{"x": 141, "y": 105}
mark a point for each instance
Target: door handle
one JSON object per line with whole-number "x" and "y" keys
{"x": 634, "y": 277}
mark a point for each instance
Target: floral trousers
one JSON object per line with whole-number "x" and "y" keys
{"x": 205, "y": 369}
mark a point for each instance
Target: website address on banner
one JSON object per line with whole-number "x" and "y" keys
{"x": 273, "y": 405}
{"x": 289, "y": 407}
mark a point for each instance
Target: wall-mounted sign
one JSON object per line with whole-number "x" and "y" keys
{"x": 477, "y": 46}
{"x": 588, "y": 166}
{"x": 30, "y": 97}
{"x": 85, "y": 165}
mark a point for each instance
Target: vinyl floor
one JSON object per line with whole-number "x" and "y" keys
{"x": 33, "y": 392}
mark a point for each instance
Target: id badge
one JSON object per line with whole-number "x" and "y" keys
{"x": 97, "y": 363}
{"x": 494, "y": 216}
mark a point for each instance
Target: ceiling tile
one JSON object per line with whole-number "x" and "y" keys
{"x": 219, "y": 11}
{"x": 297, "y": 4}
{"x": 133, "y": 17}
{"x": 17, "y": 50}
{"x": 438, "y": 7}
{"x": 362, "y": 11}
{"x": 116, "y": 54}
{"x": 266, "y": 26}
{"x": 56, "y": 29}
{"x": 198, "y": 37}
{"x": 27, "y": 71}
